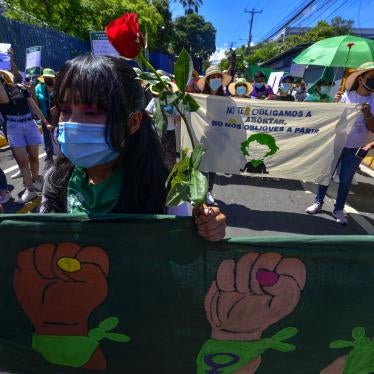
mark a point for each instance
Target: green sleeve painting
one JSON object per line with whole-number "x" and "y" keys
{"x": 76, "y": 351}
{"x": 222, "y": 356}
{"x": 361, "y": 358}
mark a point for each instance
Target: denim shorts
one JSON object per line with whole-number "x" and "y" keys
{"x": 22, "y": 134}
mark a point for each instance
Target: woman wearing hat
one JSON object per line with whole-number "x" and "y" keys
{"x": 360, "y": 90}
{"x": 213, "y": 83}
{"x": 172, "y": 117}
{"x": 240, "y": 88}
{"x": 17, "y": 107}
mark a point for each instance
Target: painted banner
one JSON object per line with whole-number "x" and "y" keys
{"x": 4, "y": 56}
{"x": 141, "y": 294}
{"x": 100, "y": 45}
{"x": 33, "y": 60}
{"x": 301, "y": 141}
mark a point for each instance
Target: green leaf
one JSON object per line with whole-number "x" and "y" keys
{"x": 285, "y": 334}
{"x": 283, "y": 347}
{"x": 177, "y": 194}
{"x": 183, "y": 70}
{"x": 340, "y": 344}
{"x": 117, "y": 337}
{"x": 198, "y": 187}
{"x": 109, "y": 323}
{"x": 190, "y": 104}
{"x": 196, "y": 156}
{"x": 167, "y": 98}
{"x": 171, "y": 175}
{"x": 358, "y": 333}
{"x": 149, "y": 77}
{"x": 158, "y": 87}
{"x": 96, "y": 334}
{"x": 160, "y": 118}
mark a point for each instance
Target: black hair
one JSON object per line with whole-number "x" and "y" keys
{"x": 111, "y": 84}
{"x": 207, "y": 89}
{"x": 260, "y": 74}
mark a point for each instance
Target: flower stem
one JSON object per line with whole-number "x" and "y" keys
{"x": 144, "y": 61}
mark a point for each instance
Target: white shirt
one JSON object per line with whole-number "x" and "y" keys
{"x": 359, "y": 135}
{"x": 170, "y": 117}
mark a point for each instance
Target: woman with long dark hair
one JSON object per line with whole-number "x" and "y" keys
{"x": 113, "y": 161}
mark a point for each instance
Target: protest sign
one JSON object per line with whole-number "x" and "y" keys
{"x": 137, "y": 294}
{"x": 33, "y": 60}
{"x": 292, "y": 140}
{"x": 100, "y": 45}
{"x": 4, "y": 56}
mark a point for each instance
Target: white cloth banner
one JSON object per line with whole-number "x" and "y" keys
{"x": 291, "y": 140}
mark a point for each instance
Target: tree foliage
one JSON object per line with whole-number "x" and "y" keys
{"x": 191, "y": 6}
{"x": 270, "y": 49}
{"x": 78, "y": 17}
{"x": 196, "y": 35}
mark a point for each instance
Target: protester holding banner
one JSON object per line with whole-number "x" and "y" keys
{"x": 299, "y": 91}
{"x": 24, "y": 138}
{"x": 320, "y": 91}
{"x": 213, "y": 83}
{"x": 261, "y": 90}
{"x": 113, "y": 159}
{"x": 240, "y": 88}
{"x": 360, "y": 86}
{"x": 173, "y": 119}
{"x": 284, "y": 92}
{"x": 44, "y": 95}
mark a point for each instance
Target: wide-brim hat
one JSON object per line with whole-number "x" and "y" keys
{"x": 47, "y": 73}
{"x": 8, "y": 76}
{"x": 367, "y": 66}
{"x": 173, "y": 86}
{"x": 241, "y": 81}
{"x": 226, "y": 78}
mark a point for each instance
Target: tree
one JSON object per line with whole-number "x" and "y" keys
{"x": 341, "y": 26}
{"x": 196, "y": 35}
{"x": 191, "y": 6}
{"x": 78, "y": 17}
{"x": 163, "y": 39}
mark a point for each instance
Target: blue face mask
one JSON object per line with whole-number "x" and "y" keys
{"x": 215, "y": 83}
{"x": 259, "y": 85}
{"x": 285, "y": 87}
{"x": 84, "y": 144}
{"x": 168, "y": 109}
{"x": 241, "y": 90}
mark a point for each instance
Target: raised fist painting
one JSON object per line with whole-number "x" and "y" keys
{"x": 246, "y": 298}
{"x": 59, "y": 286}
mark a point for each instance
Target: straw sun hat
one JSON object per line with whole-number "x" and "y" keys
{"x": 226, "y": 79}
{"x": 47, "y": 73}
{"x": 367, "y": 66}
{"x": 240, "y": 81}
{"x": 8, "y": 76}
{"x": 173, "y": 86}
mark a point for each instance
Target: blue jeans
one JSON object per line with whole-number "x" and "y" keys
{"x": 3, "y": 181}
{"x": 349, "y": 163}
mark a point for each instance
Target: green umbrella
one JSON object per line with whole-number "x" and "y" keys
{"x": 340, "y": 51}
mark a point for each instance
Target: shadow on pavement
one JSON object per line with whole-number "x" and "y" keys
{"x": 293, "y": 223}
{"x": 242, "y": 180}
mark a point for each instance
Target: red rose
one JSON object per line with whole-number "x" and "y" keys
{"x": 125, "y": 36}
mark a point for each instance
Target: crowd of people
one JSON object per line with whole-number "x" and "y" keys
{"x": 98, "y": 143}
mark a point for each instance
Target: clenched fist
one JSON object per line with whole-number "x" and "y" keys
{"x": 58, "y": 286}
{"x": 252, "y": 294}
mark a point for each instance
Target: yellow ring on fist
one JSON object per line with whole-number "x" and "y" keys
{"x": 69, "y": 264}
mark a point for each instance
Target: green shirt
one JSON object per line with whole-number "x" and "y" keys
{"x": 85, "y": 197}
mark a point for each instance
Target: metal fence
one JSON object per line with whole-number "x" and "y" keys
{"x": 57, "y": 47}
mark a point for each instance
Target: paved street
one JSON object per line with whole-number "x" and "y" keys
{"x": 260, "y": 206}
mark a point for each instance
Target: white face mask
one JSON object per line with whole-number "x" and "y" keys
{"x": 324, "y": 90}
{"x": 215, "y": 83}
